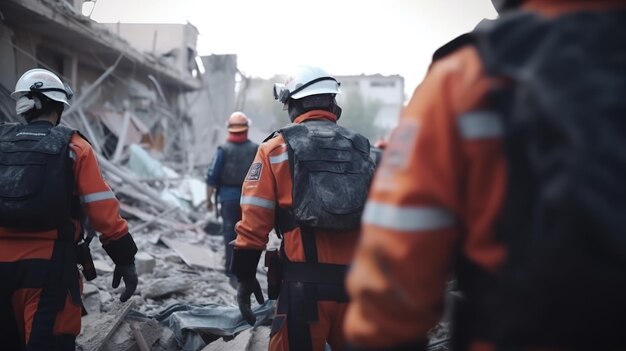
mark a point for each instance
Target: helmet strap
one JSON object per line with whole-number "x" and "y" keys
{"x": 326, "y": 102}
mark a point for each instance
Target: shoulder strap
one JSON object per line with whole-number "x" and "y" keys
{"x": 454, "y": 45}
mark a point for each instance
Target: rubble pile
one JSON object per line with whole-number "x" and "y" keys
{"x": 180, "y": 265}
{"x": 151, "y": 118}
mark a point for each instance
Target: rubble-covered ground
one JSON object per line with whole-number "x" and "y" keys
{"x": 165, "y": 280}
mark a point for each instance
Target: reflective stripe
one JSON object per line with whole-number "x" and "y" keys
{"x": 480, "y": 125}
{"x": 72, "y": 155}
{"x": 407, "y": 219}
{"x": 104, "y": 195}
{"x": 279, "y": 158}
{"x": 257, "y": 201}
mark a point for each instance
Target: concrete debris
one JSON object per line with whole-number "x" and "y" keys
{"x": 193, "y": 255}
{"x": 91, "y": 298}
{"x": 145, "y": 263}
{"x": 167, "y": 341}
{"x": 89, "y": 289}
{"x": 255, "y": 339}
{"x": 145, "y": 166}
{"x": 97, "y": 329}
{"x": 154, "y": 130}
{"x": 239, "y": 342}
{"x": 166, "y": 286}
{"x": 260, "y": 338}
{"x": 126, "y": 335}
{"x": 102, "y": 267}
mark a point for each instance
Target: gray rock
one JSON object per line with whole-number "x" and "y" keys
{"x": 167, "y": 341}
{"x": 92, "y": 303}
{"x": 102, "y": 267}
{"x": 105, "y": 297}
{"x": 89, "y": 289}
{"x": 167, "y": 286}
{"x": 145, "y": 263}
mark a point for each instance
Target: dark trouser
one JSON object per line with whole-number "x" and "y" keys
{"x": 308, "y": 317}
{"x": 311, "y": 308}
{"x": 36, "y": 313}
{"x": 231, "y": 214}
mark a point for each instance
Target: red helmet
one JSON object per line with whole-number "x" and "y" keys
{"x": 238, "y": 122}
{"x": 381, "y": 144}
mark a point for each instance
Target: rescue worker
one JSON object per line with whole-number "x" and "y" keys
{"x": 438, "y": 200}
{"x": 49, "y": 179}
{"x": 309, "y": 181}
{"x": 226, "y": 174}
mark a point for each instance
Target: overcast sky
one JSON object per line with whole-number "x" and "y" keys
{"x": 342, "y": 36}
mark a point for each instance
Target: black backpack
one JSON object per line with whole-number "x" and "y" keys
{"x": 564, "y": 219}
{"x": 331, "y": 171}
{"x": 36, "y": 177}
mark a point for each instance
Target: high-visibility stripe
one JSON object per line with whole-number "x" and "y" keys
{"x": 480, "y": 125}
{"x": 104, "y": 195}
{"x": 407, "y": 219}
{"x": 257, "y": 201}
{"x": 279, "y": 158}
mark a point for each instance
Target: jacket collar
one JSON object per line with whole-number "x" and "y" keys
{"x": 316, "y": 114}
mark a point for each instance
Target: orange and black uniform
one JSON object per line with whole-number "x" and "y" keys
{"x": 40, "y": 307}
{"x": 435, "y": 201}
{"x": 309, "y": 312}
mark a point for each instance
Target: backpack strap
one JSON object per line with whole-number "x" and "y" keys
{"x": 453, "y": 45}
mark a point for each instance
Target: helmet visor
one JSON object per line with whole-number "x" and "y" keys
{"x": 281, "y": 93}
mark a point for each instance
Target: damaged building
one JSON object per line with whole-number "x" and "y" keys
{"x": 154, "y": 115}
{"x": 160, "y": 86}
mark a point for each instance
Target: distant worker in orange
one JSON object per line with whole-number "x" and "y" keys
{"x": 49, "y": 180}
{"x": 309, "y": 181}
{"x": 506, "y": 172}
{"x": 226, "y": 174}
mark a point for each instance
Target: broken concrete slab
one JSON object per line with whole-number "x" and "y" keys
{"x": 145, "y": 263}
{"x": 194, "y": 255}
{"x": 260, "y": 338}
{"x": 167, "y": 341}
{"x": 124, "y": 337}
{"x": 102, "y": 267}
{"x": 97, "y": 329}
{"x": 89, "y": 289}
{"x": 254, "y": 339}
{"x": 166, "y": 286}
{"x": 92, "y": 303}
{"x": 150, "y": 218}
{"x": 239, "y": 342}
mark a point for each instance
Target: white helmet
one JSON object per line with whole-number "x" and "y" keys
{"x": 306, "y": 81}
{"x": 45, "y": 82}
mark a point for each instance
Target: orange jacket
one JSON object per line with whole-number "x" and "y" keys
{"x": 98, "y": 203}
{"x": 440, "y": 188}
{"x": 271, "y": 186}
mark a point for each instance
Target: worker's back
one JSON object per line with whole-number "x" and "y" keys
{"x": 506, "y": 170}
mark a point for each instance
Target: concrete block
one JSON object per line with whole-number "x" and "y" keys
{"x": 102, "y": 267}
{"x": 166, "y": 286}
{"x": 145, "y": 263}
{"x": 89, "y": 289}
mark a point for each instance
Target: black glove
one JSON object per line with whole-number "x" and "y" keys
{"x": 129, "y": 274}
{"x": 122, "y": 251}
{"x": 244, "y": 290}
{"x": 243, "y": 267}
